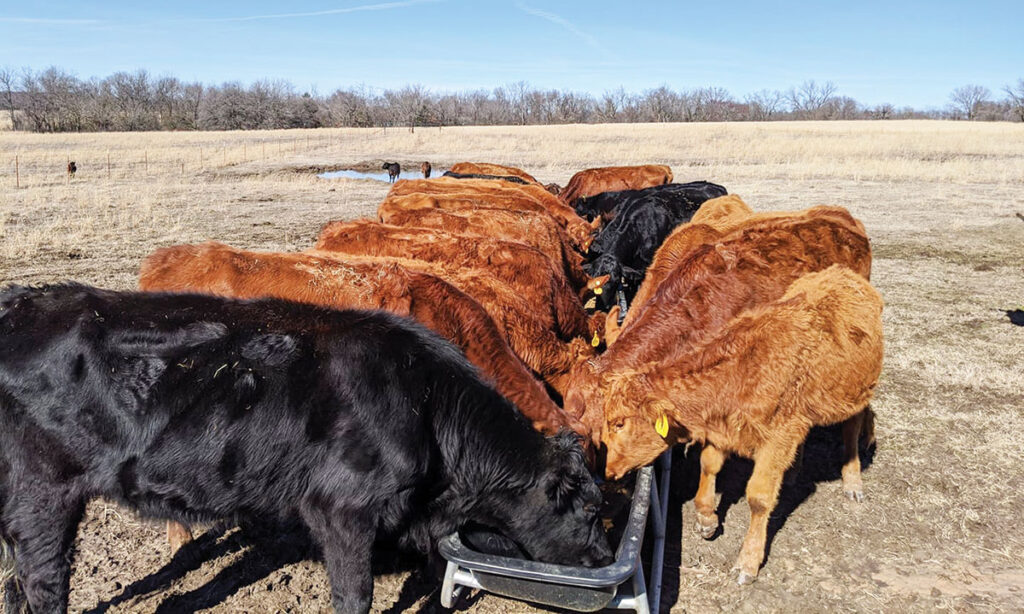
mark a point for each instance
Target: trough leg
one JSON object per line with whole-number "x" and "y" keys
{"x": 711, "y": 461}
{"x": 770, "y": 463}
{"x": 45, "y": 524}
{"x": 659, "y": 495}
{"x": 346, "y": 539}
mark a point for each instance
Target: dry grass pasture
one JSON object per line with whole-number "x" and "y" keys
{"x": 940, "y": 528}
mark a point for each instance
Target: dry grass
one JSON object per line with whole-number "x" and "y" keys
{"x": 939, "y": 529}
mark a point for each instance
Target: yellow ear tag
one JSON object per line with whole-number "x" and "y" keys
{"x": 591, "y": 303}
{"x": 596, "y": 341}
{"x": 661, "y": 425}
{"x": 599, "y": 290}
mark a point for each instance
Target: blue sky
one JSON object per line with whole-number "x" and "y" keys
{"x": 907, "y": 53}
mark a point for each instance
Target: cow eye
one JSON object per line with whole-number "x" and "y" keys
{"x": 618, "y": 425}
{"x": 590, "y": 509}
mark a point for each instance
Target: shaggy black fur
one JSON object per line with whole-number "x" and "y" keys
{"x": 642, "y": 219}
{"x": 193, "y": 408}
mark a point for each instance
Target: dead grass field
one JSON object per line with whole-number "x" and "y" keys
{"x": 940, "y": 528}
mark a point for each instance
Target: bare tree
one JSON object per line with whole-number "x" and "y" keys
{"x": 7, "y": 80}
{"x": 1016, "y": 98}
{"x": 811, "y": 100}
{"x": 764, "y": 105}
{"x": 967, "y": 98}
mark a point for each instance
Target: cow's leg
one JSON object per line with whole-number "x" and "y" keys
{"x": 793, "y": 473}
{"x": 770, "y": 463}
{"x": 711, "y": 460}
{"x": 853, "y": 486}
{"x": 346, "y": 538}
{"x": 177, "y": 535}
{"x": 44, "y": 524}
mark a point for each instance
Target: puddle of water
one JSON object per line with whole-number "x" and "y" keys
{"x": 377, "y": 176}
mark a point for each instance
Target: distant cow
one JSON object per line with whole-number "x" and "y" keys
{"x": 755, "y": 388}
{"x": 197, "y": 407}
{"x": 612, "y": 178}
{"x": 686, "y": 195}
{"x": 425, "y": 169}
{"x": 72, "y": 168}
{"x": 486, "y": 168}
{"x": 394, "y": 169}
{"x": 554, "y": 188}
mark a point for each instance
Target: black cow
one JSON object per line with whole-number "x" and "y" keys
{"x": 189, "y": 407}
{"x": 687, "y": 195}
{"x": 624, "y": 248}
{"x": 394, "y": 169}
{"x": 72, "y": 168}
{"x": 509, "y": 178}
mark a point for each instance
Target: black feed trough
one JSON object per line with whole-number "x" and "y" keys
{"x": 618, "y": 586}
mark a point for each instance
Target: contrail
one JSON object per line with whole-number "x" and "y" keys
{"x": 382, "y": 6}
{"x": 561, "y": 21}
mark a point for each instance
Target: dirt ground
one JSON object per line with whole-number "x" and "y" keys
{"x": 940, "y": 526}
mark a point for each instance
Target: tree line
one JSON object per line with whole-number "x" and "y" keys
{"x": 53, "y": 100}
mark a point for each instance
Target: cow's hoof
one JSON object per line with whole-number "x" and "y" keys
{"x": 743, "y": 578}
{"x": 854, "y": 495}
{"x": 707, "y": 531}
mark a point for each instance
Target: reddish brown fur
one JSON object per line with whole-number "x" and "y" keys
{"x": 716, "y": 219}
{"x": 486, "y": 168}
{"x": 528, "y": 271}
{"x": 614, "y": 178}
{"x": 219, "y": 269}
{"x": 528, "y": 333}
{"x": 513, "y": 196}
{"x": 539, "y": 231}
{"x": 752, "y": 266}
{"x": 755, "y": 388}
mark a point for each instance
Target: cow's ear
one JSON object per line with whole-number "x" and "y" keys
{"x": 565, "y": 477}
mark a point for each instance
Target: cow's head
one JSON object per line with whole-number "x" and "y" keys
{"x": 557, "y": 518}
{"x": 638, "y": 424}
{"x": 610, "y": 271}
{"x": 582, "y": 398}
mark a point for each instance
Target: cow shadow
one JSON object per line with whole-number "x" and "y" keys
{"x": 268, "y": 548}
{"x": 822, "y": 463}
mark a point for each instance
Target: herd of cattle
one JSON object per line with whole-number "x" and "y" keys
{"x": 466, "y": 357}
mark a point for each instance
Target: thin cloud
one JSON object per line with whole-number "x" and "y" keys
{"x": 45, "y": 21}
{"x": 561, "y": 21}
{"x": 381, "y": 6}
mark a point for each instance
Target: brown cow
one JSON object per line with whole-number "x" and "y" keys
{"x": 580, "y": 231}
{"x": 527, "y": 331}
{"x": 715, "y": 219}
{"x": 749, "y": 267}
{"x": 425, "y": 169}
{"x": 526, "y": 270}
{"x": 486, "y": 168}
{"x": 614, "y": 178}
{"x": 755, "y": 388}
{"x": 537, "y": 230}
